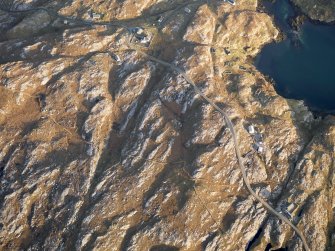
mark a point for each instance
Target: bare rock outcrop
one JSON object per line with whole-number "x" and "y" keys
{"x": 104, "y": 149}
{"x": 321, "y": 10}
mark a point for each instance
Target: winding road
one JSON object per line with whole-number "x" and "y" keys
{"x": 235, "y": 140}
{"x": 198, "y": 91}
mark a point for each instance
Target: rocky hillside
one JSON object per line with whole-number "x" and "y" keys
{"x": 104, "y": 149}
{"x": 321, "y": 10}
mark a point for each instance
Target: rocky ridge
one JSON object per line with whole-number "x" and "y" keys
{"x": 105, "y": 149}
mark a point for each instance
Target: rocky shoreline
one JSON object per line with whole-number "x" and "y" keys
{"x": 317, "y": 10}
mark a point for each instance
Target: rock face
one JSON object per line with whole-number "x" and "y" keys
{"x": 103, "y": 149}
{"x": 30, "y": 25}
{"x": 321, "y": 10}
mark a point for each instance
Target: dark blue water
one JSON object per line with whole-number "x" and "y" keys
{"x": 303, "y": 65}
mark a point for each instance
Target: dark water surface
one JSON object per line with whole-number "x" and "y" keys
{"x": 303, "y": 65}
